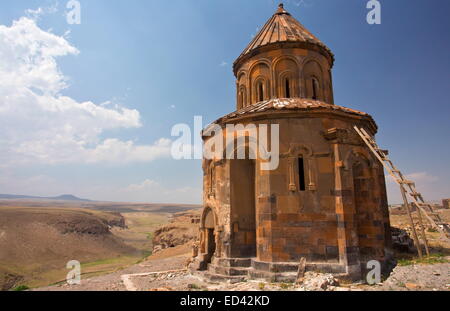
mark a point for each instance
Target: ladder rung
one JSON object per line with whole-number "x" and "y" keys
{"x": 415, "y": 194}
{"x": 406, "y": 182}
{"x": 422, "y": 204}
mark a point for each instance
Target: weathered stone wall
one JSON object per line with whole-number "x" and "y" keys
{"x": 340, "y": 217}
{"x": 326, "y": 201}
{"x": 446, "y": 203}
{"x": 300, "y": 66}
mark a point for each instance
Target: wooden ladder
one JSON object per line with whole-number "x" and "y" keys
{"x": 408, "y": 187}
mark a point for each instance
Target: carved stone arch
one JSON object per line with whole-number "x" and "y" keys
{"x": 209, "y": 218}
{"x": 210, "y": 243}
{"x": 296, "y": 153}
{"x": 282, "y": 57}
{"x": 312, "y": 71}
{"x": 241, "y": 89}
{"x": 278, "y": 59}
{"x": 309, "y": 59}
{"x": 242, "y": 97}
{"x": 290, "y": 70}
{"x": 263, "y": 61}
{"x": 260, "y": 89}
{"x": 241, "y": 73}
{"x": 286, "y": 79}
{"x": 300, "y": 149}
{"x": 353, "y": 156}
{"x": 259, "y": 70}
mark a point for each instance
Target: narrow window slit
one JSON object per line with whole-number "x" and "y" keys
{"x": 261, "y": 92}
{"x": 301, "y": 174}
{"x": 314, "y": 88}
{"x": 288, "y": 90}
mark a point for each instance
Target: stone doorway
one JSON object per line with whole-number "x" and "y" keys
{"x": 210, "y": 241}
{"x": 210, "y": 244}
{"x": 243, "y": 208}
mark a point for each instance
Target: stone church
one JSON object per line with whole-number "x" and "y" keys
{"x": 326, "y": 202}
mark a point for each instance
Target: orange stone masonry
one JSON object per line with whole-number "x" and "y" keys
{"x": 325, "y": 202}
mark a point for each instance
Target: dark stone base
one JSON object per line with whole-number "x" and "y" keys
{"x": 287, "y": 271}
{"x": 240, "y": 269}
{"x": 232, "y": 262}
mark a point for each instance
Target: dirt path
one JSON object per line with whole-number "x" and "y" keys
{"x": 115, "y": 281}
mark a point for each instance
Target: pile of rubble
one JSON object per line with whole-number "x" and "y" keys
{"x": 313, "y": 281}
{"x": 401, "y": 241}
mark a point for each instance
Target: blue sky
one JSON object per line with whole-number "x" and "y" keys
{"x": 166, "y": 61}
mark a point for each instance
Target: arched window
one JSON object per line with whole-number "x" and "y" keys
{"x": 315, "y": 88}
{"x": 240, "y": 100}
{"x": 287, "y": 88}
{"x": 260, "y": 91}
{"x": 242, "y": 97}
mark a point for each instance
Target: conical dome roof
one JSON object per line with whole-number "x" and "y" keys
{"x": 284, "y": 29}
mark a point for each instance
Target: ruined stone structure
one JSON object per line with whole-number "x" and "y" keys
{"x": 446, "y": 203}
{"x": 325, "y": 202}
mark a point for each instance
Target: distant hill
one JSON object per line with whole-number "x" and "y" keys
{"x": 64, "y": 197}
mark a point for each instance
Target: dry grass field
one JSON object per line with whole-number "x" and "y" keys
{"x": 438, "y": 245}
{"x": 38, "y": 238}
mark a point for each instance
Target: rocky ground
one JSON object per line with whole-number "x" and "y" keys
{"x": 426, "y": 277}
{"x": 182, "y": 229}
{"x": 169, "y": 274}
{"x": 166, "y": 270}
{"x": 115, "y": 281}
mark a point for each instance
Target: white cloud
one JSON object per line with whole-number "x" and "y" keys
{"x": 39, "y": 124}
{"x": 37, "y": 13}
{"x": 152, "y": 191}
{"x": 116, "y": 151}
